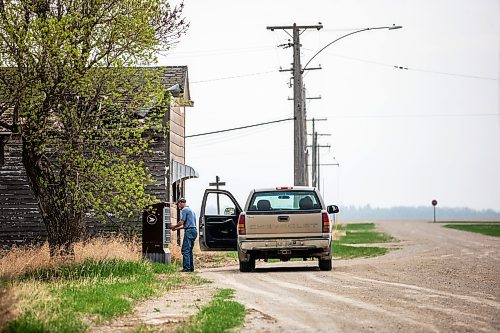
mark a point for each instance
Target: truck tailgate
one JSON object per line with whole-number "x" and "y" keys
{"x": 286, "y": 225}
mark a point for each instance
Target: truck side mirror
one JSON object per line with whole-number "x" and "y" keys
{"x": 332, "y": 209}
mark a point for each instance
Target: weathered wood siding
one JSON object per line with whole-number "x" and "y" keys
{"x": 177, "y": 134}
{"x": 176, "y": 146}
{"x": 20, "y": 220}
{"x": 19, "y": 217}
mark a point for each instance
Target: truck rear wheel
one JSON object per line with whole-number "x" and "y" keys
{"x": 247, "y": 266}
{"x": 325, "y": 265}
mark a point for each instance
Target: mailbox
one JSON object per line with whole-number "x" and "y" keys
{"x": 156, "y": 233}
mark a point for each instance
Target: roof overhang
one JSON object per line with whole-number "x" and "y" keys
{"x": 182, "y": 171}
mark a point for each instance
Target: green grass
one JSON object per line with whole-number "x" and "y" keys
{"x": 342, "y": 251}
{"x": 91, "y": 291}
{"x": 232, "y": 254}
{"x": 359, "y": 233}
{"x": 364, "y": 237}
{"x": 357, "y": 226}
{"x": 490, "y": 229}
{"x": 220, "y": 315}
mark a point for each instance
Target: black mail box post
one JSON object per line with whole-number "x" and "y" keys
{"x": 156, "y": 233}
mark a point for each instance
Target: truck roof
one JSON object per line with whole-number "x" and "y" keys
{"x": 285, "y": 188}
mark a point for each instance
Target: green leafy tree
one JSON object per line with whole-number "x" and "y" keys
{"x": 73, "y": 79}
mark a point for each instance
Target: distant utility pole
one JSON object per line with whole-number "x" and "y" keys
{"x": 300, "y": 139}
{"x": 217, "y": 184}
{"x": 315, "y": 152}
{"x": 316, "y": 165}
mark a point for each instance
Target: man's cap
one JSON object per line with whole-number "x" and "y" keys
{"x": 181, "y": 200}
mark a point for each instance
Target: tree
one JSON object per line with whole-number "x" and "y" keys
{"x": 74, "y": 81}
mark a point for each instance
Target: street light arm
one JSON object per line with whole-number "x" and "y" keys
{"x": 351, "y": 33}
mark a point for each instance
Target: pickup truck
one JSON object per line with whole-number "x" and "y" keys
{"x": 276, "y": 223}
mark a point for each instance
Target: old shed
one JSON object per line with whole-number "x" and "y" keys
{"x": 20, "y": 221}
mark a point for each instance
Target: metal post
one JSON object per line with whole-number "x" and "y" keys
{"x": 217, "y": 184}
{"x": 218, "y": 203}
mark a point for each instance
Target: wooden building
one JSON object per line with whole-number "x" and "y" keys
{"x": 20, "y": 220}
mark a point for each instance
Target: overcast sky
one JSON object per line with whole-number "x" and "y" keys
{"x": 401, "y": 137}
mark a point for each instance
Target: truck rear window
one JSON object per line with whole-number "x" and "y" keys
{"x": 282, "y": 200}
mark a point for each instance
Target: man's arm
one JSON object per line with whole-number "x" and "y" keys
{"x": 178, "y": 225}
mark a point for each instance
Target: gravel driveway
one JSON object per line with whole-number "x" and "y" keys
{"x": 440, "y": 280}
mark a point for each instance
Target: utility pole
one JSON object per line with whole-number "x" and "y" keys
{"x": 314, "y": 146}
{"x": 319, "y": 163}
{"x": 300, "y": 139}
{"x": 314, "y": 159}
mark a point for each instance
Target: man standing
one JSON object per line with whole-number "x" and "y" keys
{"x": 188, "y": 223}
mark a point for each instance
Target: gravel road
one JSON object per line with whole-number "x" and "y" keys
{"x": 440, "y": 280}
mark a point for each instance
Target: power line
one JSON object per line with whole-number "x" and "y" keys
{"x": 203, "y": 141}
{"x": 450, "y": 74}
{"x": 420, "y": 115}
{"x": 233, "y": 77}
{"x": 356, "y": 59}
{"x": 217, "y": 51}
{"x": 238, "y": 128}
{"x": 411, "y": 69}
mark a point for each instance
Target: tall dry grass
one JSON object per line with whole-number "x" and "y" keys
{"x": 20, "y": 260}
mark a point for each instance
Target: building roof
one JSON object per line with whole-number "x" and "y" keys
{"x": 172, "y": 75}
{"x": 178, "y": 75}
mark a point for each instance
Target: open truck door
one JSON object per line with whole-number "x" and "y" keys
{"x": 218, "y": 221}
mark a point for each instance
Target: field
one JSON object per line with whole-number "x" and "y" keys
{"x": 490, "y": 229}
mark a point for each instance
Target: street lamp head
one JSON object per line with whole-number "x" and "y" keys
{"x": 175, "y": 90}
{"x": 394, "y": 27}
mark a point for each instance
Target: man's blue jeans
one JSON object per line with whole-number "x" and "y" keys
{"x": 187, "y": 248}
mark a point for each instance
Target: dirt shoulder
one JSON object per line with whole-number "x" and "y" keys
{"x": 439, "y": 280}
{"x": 165, "y": 313}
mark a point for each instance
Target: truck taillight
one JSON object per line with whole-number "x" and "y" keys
{"x": 241, "y": 225}
{"x": 326, "y": 223}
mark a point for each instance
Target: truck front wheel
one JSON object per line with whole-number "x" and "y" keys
{"x": 325, "y": 265}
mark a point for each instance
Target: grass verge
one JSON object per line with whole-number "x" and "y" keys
{"x": 357, "y": 226}
{"x": 70, "y": 297}
{"x": 359, "y": 233}
{"x": 220, "y": 315}
{"x": 341, "y": 251}
{"x": 490, "y": 229}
